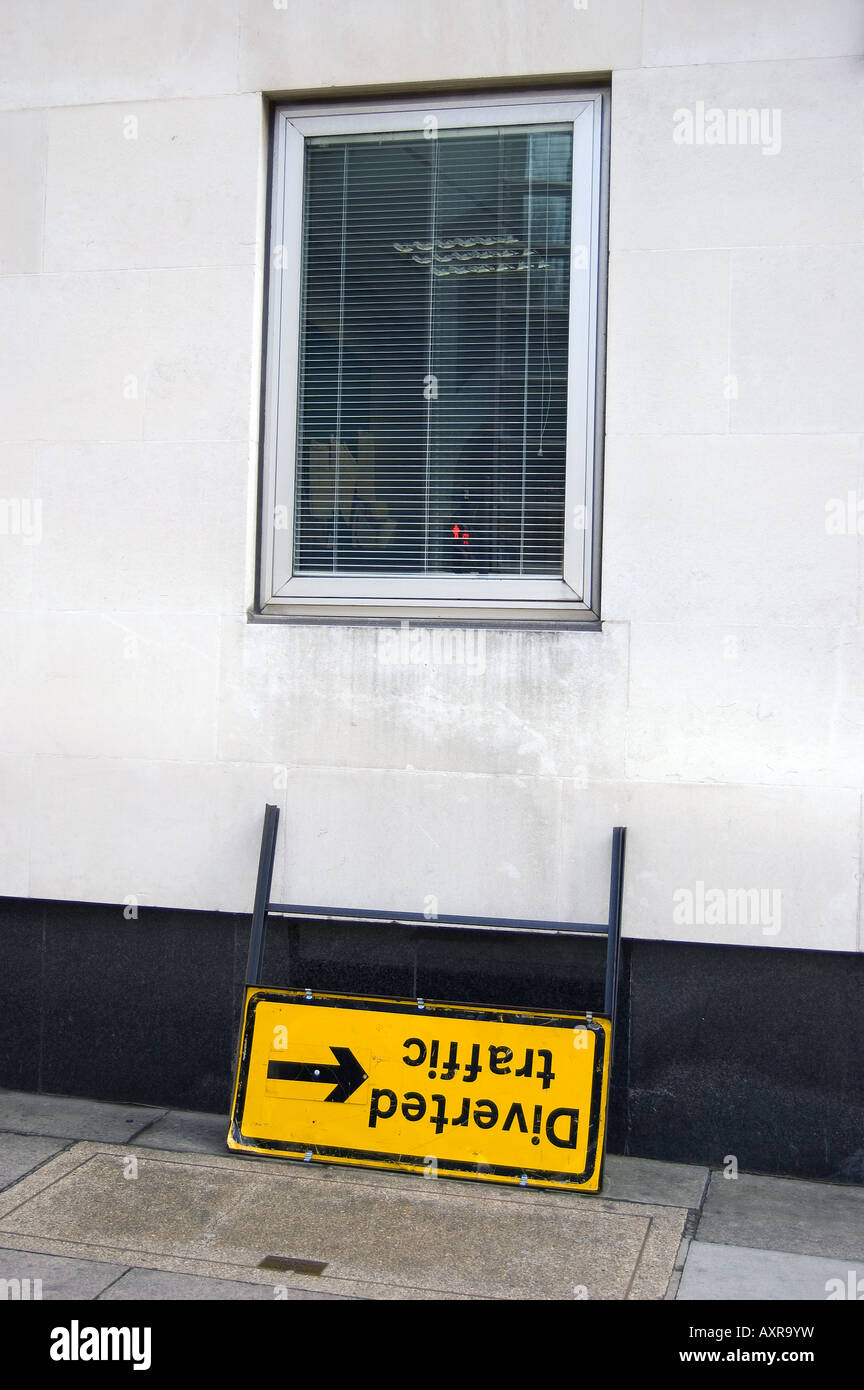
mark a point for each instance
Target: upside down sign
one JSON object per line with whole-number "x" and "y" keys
{"x": 438, "y": 1089}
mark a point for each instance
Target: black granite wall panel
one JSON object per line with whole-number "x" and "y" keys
{"x": 751, "y": 1052}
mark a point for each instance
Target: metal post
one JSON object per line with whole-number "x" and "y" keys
{"x": 613, "y": 939}
{"x": 613, "y": 957}
{"x": 262, "y": 895}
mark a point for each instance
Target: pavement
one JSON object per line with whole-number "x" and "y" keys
{"x": 127, "y": 1202}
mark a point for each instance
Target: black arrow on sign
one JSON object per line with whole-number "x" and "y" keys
{"x": 346, "y": 1076}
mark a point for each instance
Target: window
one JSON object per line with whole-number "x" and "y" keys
{"x": 430, "y": 415}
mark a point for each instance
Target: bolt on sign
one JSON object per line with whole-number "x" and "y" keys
{"x": 438, "y": 1089}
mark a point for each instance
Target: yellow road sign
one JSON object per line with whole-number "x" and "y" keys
{"x": 441, "y": 1089}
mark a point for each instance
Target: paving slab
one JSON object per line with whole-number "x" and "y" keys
{"x": 732, "y": 1272}
{"x": 625, "y": 1179}
{"x": 411, "y": 1238}
{"x": 807, "y": 1218}
{"x": 186, "y": 1131}
{"x": 66, "y": 1117}
{"x": 150, "y": 1285}
{"x": 59, "y": 1276}
{"x": 19, "y": 1153}
{"x": 649, "y": 1180}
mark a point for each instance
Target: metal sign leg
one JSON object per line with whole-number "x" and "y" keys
{"x": 262, "y": 895}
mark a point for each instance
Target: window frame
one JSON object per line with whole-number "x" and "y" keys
{"x": 575, "y": 598}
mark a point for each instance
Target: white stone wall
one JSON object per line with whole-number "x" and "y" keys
{"x": 144, "y": 722}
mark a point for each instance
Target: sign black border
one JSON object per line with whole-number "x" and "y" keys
{"x": 446, "y": 1168}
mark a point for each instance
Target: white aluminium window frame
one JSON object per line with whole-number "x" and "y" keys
{"x": 576, "y": 597}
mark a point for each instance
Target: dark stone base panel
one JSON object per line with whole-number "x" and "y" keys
{"x": 722, "y": 1053}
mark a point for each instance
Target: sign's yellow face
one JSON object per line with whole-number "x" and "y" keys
{"x": 441, "y": 1090}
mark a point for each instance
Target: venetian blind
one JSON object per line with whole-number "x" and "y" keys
{"x": 433, "y": 364}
